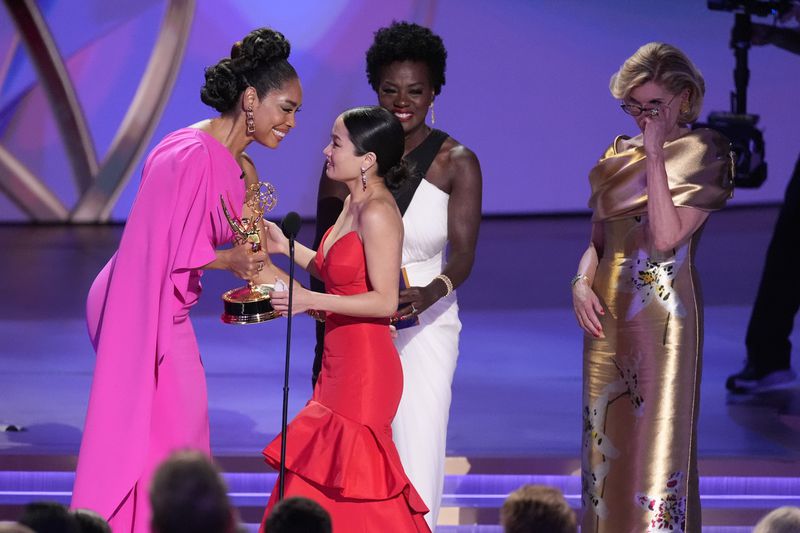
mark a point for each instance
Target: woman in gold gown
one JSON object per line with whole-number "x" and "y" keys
{"x": 636, "y": 296}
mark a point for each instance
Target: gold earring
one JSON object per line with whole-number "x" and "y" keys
{"x": 251, "y": 120}
{"x": 363, "y": 180}
{"x": 685, "y": 107}
{"x": 433, "y": 114}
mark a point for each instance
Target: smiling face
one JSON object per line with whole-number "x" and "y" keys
{"x": 652, "y": 95}
{"x": 405, "y": 90}
{"x": 342, "y": 163}
{"x": 275, "y": 113}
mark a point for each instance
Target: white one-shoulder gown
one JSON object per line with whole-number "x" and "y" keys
{"x": 428, "y": 352}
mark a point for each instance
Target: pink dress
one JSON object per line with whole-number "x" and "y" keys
{"x": 148, "y": 395}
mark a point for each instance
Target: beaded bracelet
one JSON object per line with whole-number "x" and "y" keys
{"x": 447, "y": 283}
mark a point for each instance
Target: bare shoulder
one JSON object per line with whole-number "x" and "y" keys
{"x": 462, "y": 170}
{"x": 457, "y": 156}
{"x": 380, "y": 214}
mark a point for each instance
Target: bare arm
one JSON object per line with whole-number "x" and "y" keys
{"x": 270, "y": 271}
{"x": 239, "y": 260}
{"x": 588, "y": 263}
{"x": 463, "y": 223}
{"x": 382, "y": 235}
{"x": 278, "y": 243}
{"x": 584, "y": 301}
{"x": 669, "y": 226}
{"x": 463, "y": 216}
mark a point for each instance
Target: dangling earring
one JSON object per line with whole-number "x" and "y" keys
{"x": 251, "y": 120}
{"x": 433, "y": 114}
{"x": 685, "y": 107}
{"x": 363, "y": 180}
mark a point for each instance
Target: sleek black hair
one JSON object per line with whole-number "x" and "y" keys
{"x": 298, "y": 515}
{"x": 374, "y": 129}
{"x": 260, "y": 60}
{"x": 406, "y": 41}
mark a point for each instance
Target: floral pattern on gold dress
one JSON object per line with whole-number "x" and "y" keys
{"x": 641, "y": 382}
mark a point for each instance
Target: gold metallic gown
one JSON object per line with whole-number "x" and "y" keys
{"x": 641, "y": 383}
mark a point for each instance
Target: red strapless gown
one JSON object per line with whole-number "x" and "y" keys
{"x": 339, "y": 450}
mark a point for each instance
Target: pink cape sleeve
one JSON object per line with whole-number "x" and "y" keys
{"x": 130, "y": 314}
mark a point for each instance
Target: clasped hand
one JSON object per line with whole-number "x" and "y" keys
{"x": 244, "y": 263}
{"x": 655, "y": 129}
{"x": 414, "y": 301}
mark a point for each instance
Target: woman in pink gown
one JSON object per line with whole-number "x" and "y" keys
{"x": 339, "y": 449}
{"x": 148, "y": 395}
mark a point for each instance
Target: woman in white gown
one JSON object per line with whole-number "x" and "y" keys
{"x": 441, "y": 209}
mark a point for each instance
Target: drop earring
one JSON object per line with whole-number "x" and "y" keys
{"x": 251, "y": 120}
{"x": 433, "y": 114}
{"x": 363, "y": 180}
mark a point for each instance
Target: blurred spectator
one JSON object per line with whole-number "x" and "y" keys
{"x": 188, "y": 495}
{"x": 537, "y": 509}
{"x": 781, "y": 520}
{"x": 14, "y": 527}
{"x": 48, "y": 517}
{"x": 298, "y": 515}
{"x": 90, "y": 522}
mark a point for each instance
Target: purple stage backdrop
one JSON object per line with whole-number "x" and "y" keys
{"x": 526, "y": 85}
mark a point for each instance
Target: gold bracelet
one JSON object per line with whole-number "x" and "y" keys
{"x": 447, "y": 283}
{"x": 319, "y": 316}
{"x": 577, "y": 278}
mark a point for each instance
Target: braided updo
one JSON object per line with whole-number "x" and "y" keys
{"x": 260, "y": 60}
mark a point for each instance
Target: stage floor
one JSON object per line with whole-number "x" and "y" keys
{"x": 517, "y": 389}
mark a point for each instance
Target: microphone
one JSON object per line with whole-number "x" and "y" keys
{"x": 290, "y": 226}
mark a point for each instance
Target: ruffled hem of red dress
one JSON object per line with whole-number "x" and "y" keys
{"x": 333, "y": 451}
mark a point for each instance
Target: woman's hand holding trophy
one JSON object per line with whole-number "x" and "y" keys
{"x": 250, "y": 304}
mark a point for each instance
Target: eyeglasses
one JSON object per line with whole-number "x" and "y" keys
{"x": 635, "y": 110}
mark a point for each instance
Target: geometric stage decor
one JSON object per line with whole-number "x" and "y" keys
{"x": 98, "y": 183}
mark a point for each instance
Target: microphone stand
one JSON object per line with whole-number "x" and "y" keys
{"x": 286, "y": 371}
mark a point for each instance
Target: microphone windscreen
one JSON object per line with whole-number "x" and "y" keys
{"x": 290, "y": 225}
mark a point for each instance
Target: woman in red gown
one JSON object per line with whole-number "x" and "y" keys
{"x": 339, "y": 450}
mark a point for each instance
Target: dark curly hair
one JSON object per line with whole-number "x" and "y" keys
{"x": 260, "y": 60}
{"x": 406, "y": 41}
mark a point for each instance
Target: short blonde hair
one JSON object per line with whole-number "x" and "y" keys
{"x": 669, "y": 67}
{"x": 781, "y": 520}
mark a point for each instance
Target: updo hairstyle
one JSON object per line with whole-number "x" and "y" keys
{"x": 374, "y": 129}
{"x": 667, "y": 66}
{"x": 260, "y": 60}
{"x": 405, "y": 41}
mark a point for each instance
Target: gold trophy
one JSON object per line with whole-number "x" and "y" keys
{"x": 250, "y": 304}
